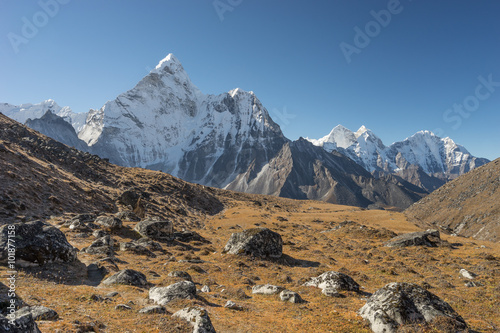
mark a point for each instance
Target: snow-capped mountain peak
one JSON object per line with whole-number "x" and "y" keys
{"x": 171, "y": 61}
{"x": 165, "y": 122}
{"x": 360, "y": 131}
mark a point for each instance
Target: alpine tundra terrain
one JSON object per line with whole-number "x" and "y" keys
{"x": 230, "y": 141}
{"x": 105, "y": 248}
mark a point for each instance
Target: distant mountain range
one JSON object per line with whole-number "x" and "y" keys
{"x": 230, "y": 141}
{"x": 423, "y": 159}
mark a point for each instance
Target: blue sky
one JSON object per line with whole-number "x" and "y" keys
{"x": 416, "y": 72}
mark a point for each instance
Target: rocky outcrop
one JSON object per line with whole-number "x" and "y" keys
{"x": 155, "y": 229}
{"x": 198, "y": 318}
{"x": 333, "y": 282}
{"x": 179, "y": 290}
{"x": 406, "y": 303}
{"x": 256, "y": 242}
{"x": 36, "y": 242}
{"x": 429, "y": 238}
{"x": 128, "y": 277}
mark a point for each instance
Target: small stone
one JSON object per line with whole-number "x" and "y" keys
{"x": 468, "y": 275}
{"x": 205, "y": 289}
{"x": 266, "y": 289}
{"x": 181, "y": 274}
{"x": 291, "y": 296}
{"x": 123, "y": 307}
{"x": 153, "y": 309}
{"x": 233, "y": 306}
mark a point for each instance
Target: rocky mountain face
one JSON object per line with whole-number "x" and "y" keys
{"x": 467, "y": 206}
{"x": 423, "y": 159}
{"x": 58, "y": 129}
{"x": 303, "y": 171}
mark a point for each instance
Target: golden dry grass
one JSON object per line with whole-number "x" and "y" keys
{"x": 354, "y": 250}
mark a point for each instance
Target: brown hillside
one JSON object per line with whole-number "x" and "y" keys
{"x": 468, "y": 206}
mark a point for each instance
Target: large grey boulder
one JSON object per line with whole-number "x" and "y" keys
{"x": 198, "y": 318}
{"x": 155, "y": 229}
{"x": 257, "y": 242}
{"x": 36, "y": 242}
{"x": 128, "y": 277}
{"x": 331, "y": 282}
{"x": 23, "y": 323}
{"x": 429, "y": 238}
{"x": 406, "y": 303}
{"x": 179, "y": 290}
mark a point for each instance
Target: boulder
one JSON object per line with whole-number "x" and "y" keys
{"x": 406, "y": 303}
{"x": 39, "y": 312}
{"x": 198, "y": 318}
{"x": 37, "y": 242}
{"x": 23, "y": 323}
{"x": 181, "y": 274}
{"x": 290, "y": 296}
{"x": 429, "y": 238}
{"x": 128, "y": 277}
{"x": 153, "y": 309}
{"x": 257, "y": 242}
{"x": 110, "y": 223}
{"x": 179, "y": 290}
{"x": 130, "y": 197}
{"x": 266, "y": 289}
{"x": 127, "y": 215}
{"x": 136, "y": 248}
{"x": 5, "y": 299}
{"x": 333, "y": 281}
{"x": 155, "y": 229}
{"x": 103, "y": 245}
